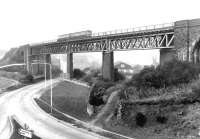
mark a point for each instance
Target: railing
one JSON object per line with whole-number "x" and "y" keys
{"x": 137, "y": 29}
{"x": 119, "y": 31}
{"x": 43, "y": 42}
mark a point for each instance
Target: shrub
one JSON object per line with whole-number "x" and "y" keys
{"x": 27, "y": 79}
{"x": 146, "y": 78}
{"x": 196, "y": 88}
{"x": 56, "y": 71}
{"x": 171, "y": 73}
{"x": 161, "y": 119}
{"x": 97, "y": 92}
{"x": 140, "y": 119}
{"x": 92, "y": 76}
{"x": 128, "y": 93}
{"x": 118, "y": 76}
{"x": 78, "y": 73}
{"x": 177, "y": 72}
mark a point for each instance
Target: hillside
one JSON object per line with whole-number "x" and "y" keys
{"x": 12, "y": 56}
{"x": 2, "y": 52}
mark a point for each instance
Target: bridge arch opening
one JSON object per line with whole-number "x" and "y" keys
{"x": 131, "y": 62}
{"x": 196, "y": 52}
{"x": 88, "y": 63}
{"x": 87, "y": 60}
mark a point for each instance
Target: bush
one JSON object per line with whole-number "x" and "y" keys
{"x": 177, "y": 72}
{"x": 140, "y": 119}
{"x": 129, "y": 93}
{"x": 56, "y": 71}
{"x": 98, "y": 91}
{"x": 146, "y": 78}
{"x": 161, "y": 119}
{"x": 78, "y": 73}
{"x": 92, "y": 76}
{"x": 196, "y": 88}
{"x": 171, "y": 73}
{"x": 27, "y": 79}
{"x": 118, "y": 76}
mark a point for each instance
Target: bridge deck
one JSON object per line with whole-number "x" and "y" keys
{"x": 151, "y": 38}
{"x": 114, "y": 34}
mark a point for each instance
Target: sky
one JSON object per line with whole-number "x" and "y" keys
{"x": 29, "y": 21}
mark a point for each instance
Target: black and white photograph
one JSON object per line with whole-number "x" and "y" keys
{"x": 99, "y": 69}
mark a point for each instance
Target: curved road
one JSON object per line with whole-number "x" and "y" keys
{"x": 20, "y": 105}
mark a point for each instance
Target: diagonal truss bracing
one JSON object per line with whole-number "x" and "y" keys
{"x": 110, "y": 43}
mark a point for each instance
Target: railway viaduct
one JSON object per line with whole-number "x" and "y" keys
{"x": 180, "y": 40}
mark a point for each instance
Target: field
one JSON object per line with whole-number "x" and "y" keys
{"x": 5, "y": 82}
{"x": 69, "y": 98}
{"x": 11, "y": 75}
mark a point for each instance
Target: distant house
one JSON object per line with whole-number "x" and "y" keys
{"x": 124, "y": 69}
{"x": 87, "y": 70}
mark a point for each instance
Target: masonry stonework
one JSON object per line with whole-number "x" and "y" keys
{"x": 69, "y": 65}
{"x": 108, "y": 66}
{"x": 187, "y": 33}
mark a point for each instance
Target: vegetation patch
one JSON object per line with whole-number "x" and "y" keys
{"x": 78, "y": 73}
{"x": 165, "y": 75}
{"x": 155, "y": 103}
{"x": 161, "y": 119}
{"x": 69, "y": 98}
{"x": 140, "y": 119}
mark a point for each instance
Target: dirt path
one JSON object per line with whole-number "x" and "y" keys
{"x": 107, "y": 111}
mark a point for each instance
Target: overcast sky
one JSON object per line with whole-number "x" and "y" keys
{"x": 28, "y": 21}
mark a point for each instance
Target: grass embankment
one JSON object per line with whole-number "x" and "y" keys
{"x": 9, "y": 85}
{"x": 69, "y": 98}
{"x": 61, "y": 116}
{"x": 179, "y": 105}
{"x": 5, "y": 82}
{"x": 11, "y": 75}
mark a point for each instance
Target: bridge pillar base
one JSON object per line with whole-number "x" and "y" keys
{"x": 36, "y": 67}
{"x": 167, "y": 55}
{"x": 108, "y": 66}
{"x": 69, "y": 65}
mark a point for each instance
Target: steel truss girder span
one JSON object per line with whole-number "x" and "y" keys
{"x": 152, "y": 41}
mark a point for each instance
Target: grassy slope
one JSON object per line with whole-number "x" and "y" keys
{"x": 72, "y": 99}
{"x": 11, "y": 75}
{"x": 69, "y": 98}
{"x": 4, "y": 83}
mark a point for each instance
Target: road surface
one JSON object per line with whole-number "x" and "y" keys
{"x": 20, "y": 105}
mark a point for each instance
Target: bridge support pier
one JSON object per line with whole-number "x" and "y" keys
{"x": 35, "y": 67}
{"x": 69, "y": 65}
{"x": 167, "y": 55}
{"x": 108, "y": 66}
{"x": 48, "y": 66}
